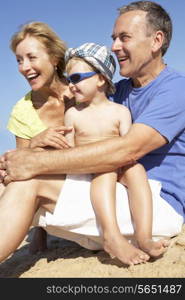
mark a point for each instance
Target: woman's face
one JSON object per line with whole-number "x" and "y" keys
{"x": 34, "y": 63}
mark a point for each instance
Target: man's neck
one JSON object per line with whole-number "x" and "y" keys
{"x": 149, "y": 75}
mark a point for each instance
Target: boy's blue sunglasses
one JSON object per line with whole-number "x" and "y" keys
{"x": 77, "y": 77}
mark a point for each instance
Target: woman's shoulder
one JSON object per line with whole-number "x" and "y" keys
{"x": 24, "y": 120}
{"x": 25, "y": 101}
{"x": 24, "y": 111}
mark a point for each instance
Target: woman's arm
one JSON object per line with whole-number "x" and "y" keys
{"x": 22, "y": 143}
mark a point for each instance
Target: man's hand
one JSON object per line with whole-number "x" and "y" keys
{"x": 18, "y": 165}
{"x": 2, "y": 176}
{"x": 3, "y": 173}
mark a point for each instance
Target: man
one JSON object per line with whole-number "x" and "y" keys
{"x": 155, "y": 95}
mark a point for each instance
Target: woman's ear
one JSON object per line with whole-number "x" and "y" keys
{"x": 54, "y": 61}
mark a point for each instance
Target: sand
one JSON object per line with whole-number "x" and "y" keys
{"x": 65, "y": 259}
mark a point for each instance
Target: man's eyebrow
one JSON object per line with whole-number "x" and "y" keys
{"x": 121, "y": 33}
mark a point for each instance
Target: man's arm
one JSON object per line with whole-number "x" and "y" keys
{"x": 102, "y": 156}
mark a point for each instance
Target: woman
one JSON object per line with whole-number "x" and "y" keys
{"x": 37, "y": 119}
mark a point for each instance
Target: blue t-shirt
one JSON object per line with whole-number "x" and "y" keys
{"x": 161, "y": 105}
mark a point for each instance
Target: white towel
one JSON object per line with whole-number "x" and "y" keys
{"x": 74, "y": 217}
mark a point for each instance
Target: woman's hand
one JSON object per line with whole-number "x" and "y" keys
{"x": 52, "y": 137}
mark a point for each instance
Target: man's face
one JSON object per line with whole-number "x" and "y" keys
{"x": 132, "y": 45}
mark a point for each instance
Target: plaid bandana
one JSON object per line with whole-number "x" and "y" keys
{"x": 99, "y": 57}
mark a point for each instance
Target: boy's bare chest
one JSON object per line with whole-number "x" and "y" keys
{"x": 97, "y": 125}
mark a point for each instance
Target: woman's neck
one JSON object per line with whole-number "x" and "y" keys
{"x": 54, "y": 93}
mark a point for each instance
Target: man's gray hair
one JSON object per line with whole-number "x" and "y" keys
{"x": 157, "y": 19}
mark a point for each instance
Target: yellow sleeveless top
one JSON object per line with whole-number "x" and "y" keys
{"x": 24, "y": 121}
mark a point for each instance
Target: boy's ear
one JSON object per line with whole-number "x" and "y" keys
{"x": 101, "y": 81}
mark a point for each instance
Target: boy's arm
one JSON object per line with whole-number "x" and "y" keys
{"x": 69, "y": 122}
{"x": 125, "y": 120}
{"x": 134, "y": 172}
{"x": 135, "y": 176}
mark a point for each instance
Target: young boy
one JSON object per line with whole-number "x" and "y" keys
{"x": 90, "y": 68}
{"x": 93, "y": 118}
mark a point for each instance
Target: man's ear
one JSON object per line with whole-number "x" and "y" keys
{"x": 158, "y": 39}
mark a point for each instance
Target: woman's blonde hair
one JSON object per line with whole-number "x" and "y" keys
{"x": 54, "y": 45}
